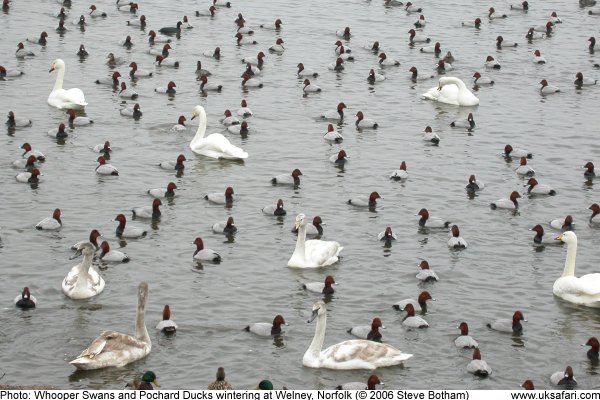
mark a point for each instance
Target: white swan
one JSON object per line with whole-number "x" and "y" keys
{"x": 584, "y": 290}
{"x": 350, "y": 354}
{"x": 451, "y": 90}
{"x": 83, "y": 281}
{"x": 214, "y": 145}
{"x": 62, "y": 98}
{"x": 312, "y": 253}
{"x": 114, "y": 349}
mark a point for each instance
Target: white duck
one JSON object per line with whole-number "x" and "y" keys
{"x": 62, "y": 98}
{"x": 312, "y": 253}
{"x": 584, "y": 290}
{"x": 214, "y": 145}
{"x": 350, "y": 354}
{"x": 114, "y": 349}
{"x": 83, "y": 281}
{"x": 451, "y": 90}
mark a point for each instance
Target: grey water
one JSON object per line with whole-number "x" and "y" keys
{"x": 500, "y": 272}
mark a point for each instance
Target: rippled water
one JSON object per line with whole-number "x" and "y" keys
{"x": 499, "y": 273}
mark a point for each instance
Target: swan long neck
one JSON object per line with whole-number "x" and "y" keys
{"x": 60, "y": 76}
{"x": 570, "y": 261}
{"x": 141, "y": 332}
{"x": 317, "y": 343}
{"x": 84, "y": 268}
{"x": 455, "y": 81}
{"x": 201, "y": 127}
{"x": 300, "y": 251}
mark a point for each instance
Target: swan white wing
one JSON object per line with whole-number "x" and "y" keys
{"x": 111, "y": 349}
{"x": 587, "y": 285}
{"x": 361, "y": 354}
{"x": 322, "y": 253}
{"x": 218, "y": 146}
{"x": 72, "y": 98}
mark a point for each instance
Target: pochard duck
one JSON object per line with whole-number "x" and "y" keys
{"x": 109, "y": 255}
{"x": 216, "y": 53}
{"x": 540, "y": 239}
{"x": 468, "y": 124}
{"x": 259, "y": 60}
{"x": 435, "y": 49}
{"x": 28, "y": 163}
{"x": 166, "y": 326}
{"x": 509, "y": 203}
{"x": 164, "y": 52}
{"x": 415, "y": 77}
{"x": 41, "y": 40}
{"x": 563, "y": 224}
{"x": 368, "y": 332}
{"x": 80, "y": 21}
{"x": 180, "y": 125}
{"x": 321, "y": 287}
{"x": 242, "y": 40}
{"x": 535, "y": 188}
{"x": 211, "y": 12}
{"x": 126, "y": 93}
{"x": 313, "y": 229}
{"x": 480, "y": 80}
{"x": 177, "y": 165}
{"x": 276, "y": 210}
{"x": 241, "y": 129}
{"x": 509, "y": 325}
{"x": 25, "y": 300}
{"x": 62, "y": 13}
{"x": 267, "y": 329}
{"x": 442, "y": 67}
{"x": 113, "y": 61}
{"x": 474, "y": 24}
{"x": 426, "y": 221}
{"x": 474, "y": 184}
{"x": 127, "y": 231}
{"x": 13, "y": 122}
{"x": 138, "y": 73}
{"x": 400, "y": 174}
{"x": 592, "y": 41}
{"x": 334, "y": 115}
{"x": 151, "y": 212}
{"x": 509, "y": 151}
{"x": 419, "y": 304}
{"x": 304, "y": 72}
{"x": 344, "y": 54}
{"x": 248, "y": 82}
{"x": 252, "y": 70}
{"x": 310, "y": 88}
{"x": 414, "y": 38}
{"x": 169, "y": 89}
{"x": 375, "y": 77}
{"x": 78, "y": 121}
{"x": 387, "y": 236}
{"x": 130, "y": 8}
{"x": 411, "y": 320}
{"x": 339, "y": 48}
{"x": 456, "y": 241}
{"x": 287, "y": 179}
{"x": 227, "y": 228}
{"x": 538, "y": 58}
{"x": 494, "y": 15}
{"x": 491, "y": 63}
{"x": 343, "y": 33}
{"x": 411, "y": 8}
{"x": 50, "y": 223}
{"x": 222, "y": 3}
{"x": 581, "y": 81}
{"x": 563, "y": 378}
{"x": 548, "y": 89}
{"x": 186, "y": 24}
{"x": 339, "y": 159}
{"x": 465, "y": 341}
{"x": 528, "y": 385}
{"x": 22, "y": 53}
{"x": 522, "y": 6}
{"x": 374, "y": 47}
{"x": 29, "y": 177}
{"x": 477, "y": 366}
{"x": 131, "y": 111}
{"x": 337, "y": 66}
{"x": 28, "y": 151}
{"x": 500, "y": 43}
{"x": 93, "y": 239}
{"x": 141, "y": 22}
{"x": 595, "y": 211}
{"x": 82, "y": 52}
{"x": 275, "y": 26}
{"x": 200, "y": 72}
{"x": 365, "y": 201}
{"x": 153, "y": 38}
{"x": 362, "y": 123}
{"x": 533, "y": 35}
{"x": 420, "y": 22}
{"x": 105, "y": 169}
{"x": 425, "y": 273}
{"x": 220, "y": 198}
{"x": 161, "y": 61}
{"x": 523, "y": 169}
{"x": 592, "y": 354}
{"x": 373, "y": 380}
{"x": 206, "y": 86}
{"x": 103, "y": 148}
{"x": 9, "y": 74}
{"x": 229, "y": 119}
{"x": 244, "y": 111}
{"x": 278, "y": 46}
{"x": 332, "y": 135}
{"x": 546, "y": 28}
{"x": 161, "y": 193}
{"x": 384, "y": 61}
{"x": 430, "y": 136}
{"x": 127, "y": 43}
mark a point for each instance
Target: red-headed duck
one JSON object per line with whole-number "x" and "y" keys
{"x": 152, "y": 211}
{"x": 314, "y": 229}
{"x": 465, "y": 341}
{"x": 592, "y": 354}
{"x": 109, "y": 255}
{"x": 41, "y": 40}
{"x": 474, "y": 184}
{"x": 153, "y": 38}
{"x": 509, "y": 325}
{"x": 310, "y": 87}
{"x": 563, "y": 224}
{"x": 523, "y": 169}
{"x": 211, "y": 12}
{"x": 202, "y": 254}
{"x": 415, "y": 77}
{"x": 321, "y": 287}
{"x": 126, "y": 93}
{"x": 28, "y": 163}
{"x": 228, "y": 227}
{"x": 304, "y": 72}
{"x": 276, "y": 210}
{"x": 126, "y": 42}
{"x": 337, "y": 66}
{"x": 491, "y": 63}
{"x": 164, "y": 52}
{"x": 400, "y": 173}
{"x": 240, "y": 129}
{"x": 220, "y": 198}
{"x": 103, "y": 148}
{"x": 174, "y": 165}
{"x": 267, "y": 329}
{"x": 206, "y": 86}
{"x": 130, "y": 7}
{"x": 334, "y": 115}
{"x": 435, "y": 49}
{"x": 112, "y": 80}
{"x": 22, "y": 53}
{"x": 339, "y": 159}
{"x": 180, "y": 125}
{"x": 276, "y": 26}
{"x": 365, "y": 123}
{"x": 468, "y": 124}
{"x": 411, "y": 320}
{"x": 538, "y": 58}
{"x": 365, "y": 201}
{"x": 332, "y": 135}
{"x": 242, "y": 40}
{"x": 25, "y": 300}
{"x": 127, "y": 231}
{"x": 420, "y": 22}
{"x": 563, "y": 378}
{"x": 595, "y": 211}
{"x": 375, "y": 77}
{"x": 141, "y": 22}
{"x": 384, "y": 61}
{"x": 50, "y": 223}
{"x": 411, "y": 8}
{"x": 522, "y": 6}
{"x": 278, "y": 46}
{"x": 105, "y": 169}
{"x": 430, "y": 136}
{"x": 228, "y": 119}
{"x": 244, "y": 111}
{"x": 259, "y": 60}
{"x": 166, "y": 326}
{"x": 509, "y": 203}
{"x": 554, "y": 18}
{"x": 431, "y": 222}
{"x": 509, "y": 151}
{"x": 287, "y": 179}
{"x": 477, "y": 366}
{"x": 581, "y": 81}
{"x": 546, "y": 28}
{"x": 138, "y": 73}
{"x": 533, "y": 35}
{"x": 368, "y": 332}
{"x": 419, "y": 304}
{"x": 9, "y": 74}
{"x": 456, "y": 241}
{"x": 492, "y": 14}
{"x": 500, "y": 43}
{"x": 343, "y": 33}
{"x": 29, "y": 177}
{"x": 186, "y": 23}
{"x": 472, "y": 24}
{"x": 535, "y": 188}
{"x": 13, "y": 122}
{"x": 480, "y": 80}
{"x": 548, "y": 89}
{"x": 169, "y": 89}
{"x": 93, "y": 239}
{"x": 160, "y": 193}
{"x": 425, "y": 273}
{"x": 131, "y": 111}
{"x": 589, "y": 173}
{"x": 528, "y": 385}
{"x": 372, "y": 381}
{"x": 161, "y": 61}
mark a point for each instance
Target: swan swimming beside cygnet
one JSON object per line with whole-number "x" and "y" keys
{"x": 350, "y": 354}
{"x": 451, "y": 90}
{"x": 214, "y": 145}
{"x": 64, "y": 98}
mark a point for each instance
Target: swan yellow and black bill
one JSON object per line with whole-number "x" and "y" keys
{"x": 559, "y": 237}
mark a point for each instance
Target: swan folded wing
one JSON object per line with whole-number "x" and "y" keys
{"x": 111, "y": 341}
{"x": 587, "y": 284}
{"x": 76, "y": 96}
{"x": 220, "y": 144}
{"x": 363, "y": 350}
{"x": 322, "y": 252}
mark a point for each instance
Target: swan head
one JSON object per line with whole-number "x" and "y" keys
{"x": 318, "y": 309}
{"x": 142, "y": 292}
{"x": 87, "y": 249}
{"x": 197, "y": 111}
{"x": 568, "y": 237}
{"x": 300, "y": 220}
{"x": 57, "y": 64}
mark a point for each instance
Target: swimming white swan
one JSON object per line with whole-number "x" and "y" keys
{"x": 83, "y": 281}
{"x": 350, "y": 354}
{"x": 214, "y": 145}
{"x": 584, "y": 290}
{"x": 451, "y": 90}
{"x": 63, "y": 98}
{"x": 114, "y": 349}
{"x": 312, "y": 253}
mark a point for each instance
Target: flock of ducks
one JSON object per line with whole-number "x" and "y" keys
{"x": 369, "y": 351}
